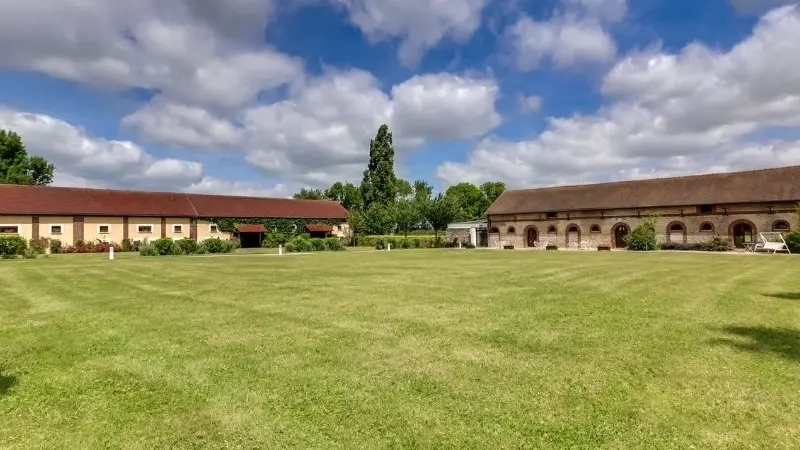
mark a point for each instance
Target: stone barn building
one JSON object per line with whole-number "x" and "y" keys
{"x": 696, "y": 208}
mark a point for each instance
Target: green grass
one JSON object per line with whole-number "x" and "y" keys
{"x": 415, "y": 349}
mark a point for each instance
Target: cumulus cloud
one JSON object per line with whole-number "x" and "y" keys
{"x": 321, "y": 133}
{"x": 419, "y": 24}
{"x": 570, "y": 38}
{"x": 529, "y": 103}
{"x": 85, "y": 161}
{"x": 669, "y": 113}
{"x": 193, "y": 51}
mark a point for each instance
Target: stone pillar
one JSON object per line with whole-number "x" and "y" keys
{"x": 35, "y": 227}
{"x": 193, "y": 229}
{"x": 77, "y": 229}
{"x": 163, "y": 227}
{"x": 473, "y": 236}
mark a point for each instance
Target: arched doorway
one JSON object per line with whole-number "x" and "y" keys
{"x": 742, "y": 232}
{"x": 618, "y": 235}
{"x": 531, "y": 236}
{"x": 573, "y": 234}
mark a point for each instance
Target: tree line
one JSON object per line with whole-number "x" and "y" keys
{"x": 384, "y": 204}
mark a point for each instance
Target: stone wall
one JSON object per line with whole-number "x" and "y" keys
{"x": 598, "y": 228}
{"x": 457, "y": 234}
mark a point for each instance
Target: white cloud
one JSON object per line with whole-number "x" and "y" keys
{"x": 529, "y": 103}
{"x": 573, "y": 37}
{"x": 567, "y": 42}
{"x": 757, "y": 6}
{"x": 85, "y": 161}
{"x": 191, "y": 51}
{"x": 444, "y": 106}
{"x": 420, "y": 24}
{"x": 183, "y": 126}
{"x": 669, "y": 113}
{"x": 321, "y": 133}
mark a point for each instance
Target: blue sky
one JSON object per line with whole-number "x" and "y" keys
{"x": 260, "y": 97}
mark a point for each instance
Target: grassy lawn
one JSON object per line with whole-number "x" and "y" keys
{"x": 405, "y": 349}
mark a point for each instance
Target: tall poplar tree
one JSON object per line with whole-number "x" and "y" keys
{"x": 379, "y": 184}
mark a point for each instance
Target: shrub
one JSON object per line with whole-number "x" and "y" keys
{"x": 90, "y": 245}
{"x": 299, "y": 244}
{"x": 230, "y": 245}
{"x": 405, "y": 243}
{"x": 147, "y": 249}
{"x": 55, "y": 246}
{"x": 643, "y": 237}
{"x": 551, "y": 247}
{"x": 187, "y": 246}
{"x": 318, "y": 244}
{"x": 12, "y": 246}
{"x": 166, "y": 246}
{"x": 214, "y": 245}
{"x": 101, "y": 247}
{"x": 334, "y": 244}
{"x": 127, "y": 245}
{"x": 793, "y": 241}
{"x": 716, "y": 244}
{"x": 415, "y": 242}
{"x": 40, "y": 245}
{"x": 30, "y": 253}
{"x": 272, "y": 240}
{"x": 380, "y": 244}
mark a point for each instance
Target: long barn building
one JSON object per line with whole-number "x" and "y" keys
{"x": 78, "y": 214}
{"x": 696, "y": 208}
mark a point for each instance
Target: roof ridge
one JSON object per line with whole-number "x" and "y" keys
{"x": 656, "y": 179}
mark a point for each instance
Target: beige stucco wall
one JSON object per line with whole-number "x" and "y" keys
{"x": 184, "y": 222}
{"x": 756, "y": 213}
{"x": 203, "y": 232}
{"x": 91, "y": 229}
{"x": 133, "y": 228}
{"x": 23, "y": 222}
{"x": 66, "y": 237}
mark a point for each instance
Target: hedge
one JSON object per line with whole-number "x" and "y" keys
{"x": 717, "y": 244}
{"x": 168, "y": 247}
{"x": 396, "y": 241}
{"x": 12, "y": 246}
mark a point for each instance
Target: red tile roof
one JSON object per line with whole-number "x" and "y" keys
{"x": 754, "y": 186}
{"x": 251, "y": 228}
{"x": 319, "y": 228}
{"x": 48, "y": 200}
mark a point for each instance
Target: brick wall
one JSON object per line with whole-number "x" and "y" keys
{"x": 513, "y": 229}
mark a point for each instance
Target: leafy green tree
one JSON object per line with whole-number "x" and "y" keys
{"x": 403, "y": 188}
{"x": 492, "y": 190}
{"x": 346, "y": 194}
{"x": 439, "y": 212}
{"x": 379, "y": 183}
{"x": 472, "y": 202}
{"x": 422, "y": 191}
{"x": 16, "y": 167}
{"x": 309, "y": 194}
{"x": 356, "y": 221}
{"x": 643, "y": 237}
{"x": 406, "y": 215}
{"x": 378, "y": 219}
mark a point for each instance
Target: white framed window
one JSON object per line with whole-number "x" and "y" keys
{"x": 56, "y": 229}
{"x": 144, "y": 229}
{"x": 103, "y": 228}
{"x": 177, "y": 229}
{"x": 213, "y": 228}
{"x": 9, "y": 229}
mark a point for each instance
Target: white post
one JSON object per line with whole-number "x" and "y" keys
{"x": 111, "y": 253}
{"x": 459, "y": 245}
{"x": 388, "y": 247}
{"x": 280, "y": 249}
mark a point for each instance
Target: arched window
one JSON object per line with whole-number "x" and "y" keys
{"x": 707, "y": 227}
{"x": 512, "y": 230}
{"x": 494, "y": 230}
{"x": 595, "y": 228}
{"x": 780, "y": 225}
{"x": 676, "y": 227}
{"x": 551, "y": 229}
{"x": 573, "y": 229}
{"x": 676, "y": 232}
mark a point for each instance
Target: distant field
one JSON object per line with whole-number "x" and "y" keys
{"x": 406, "y": 349}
